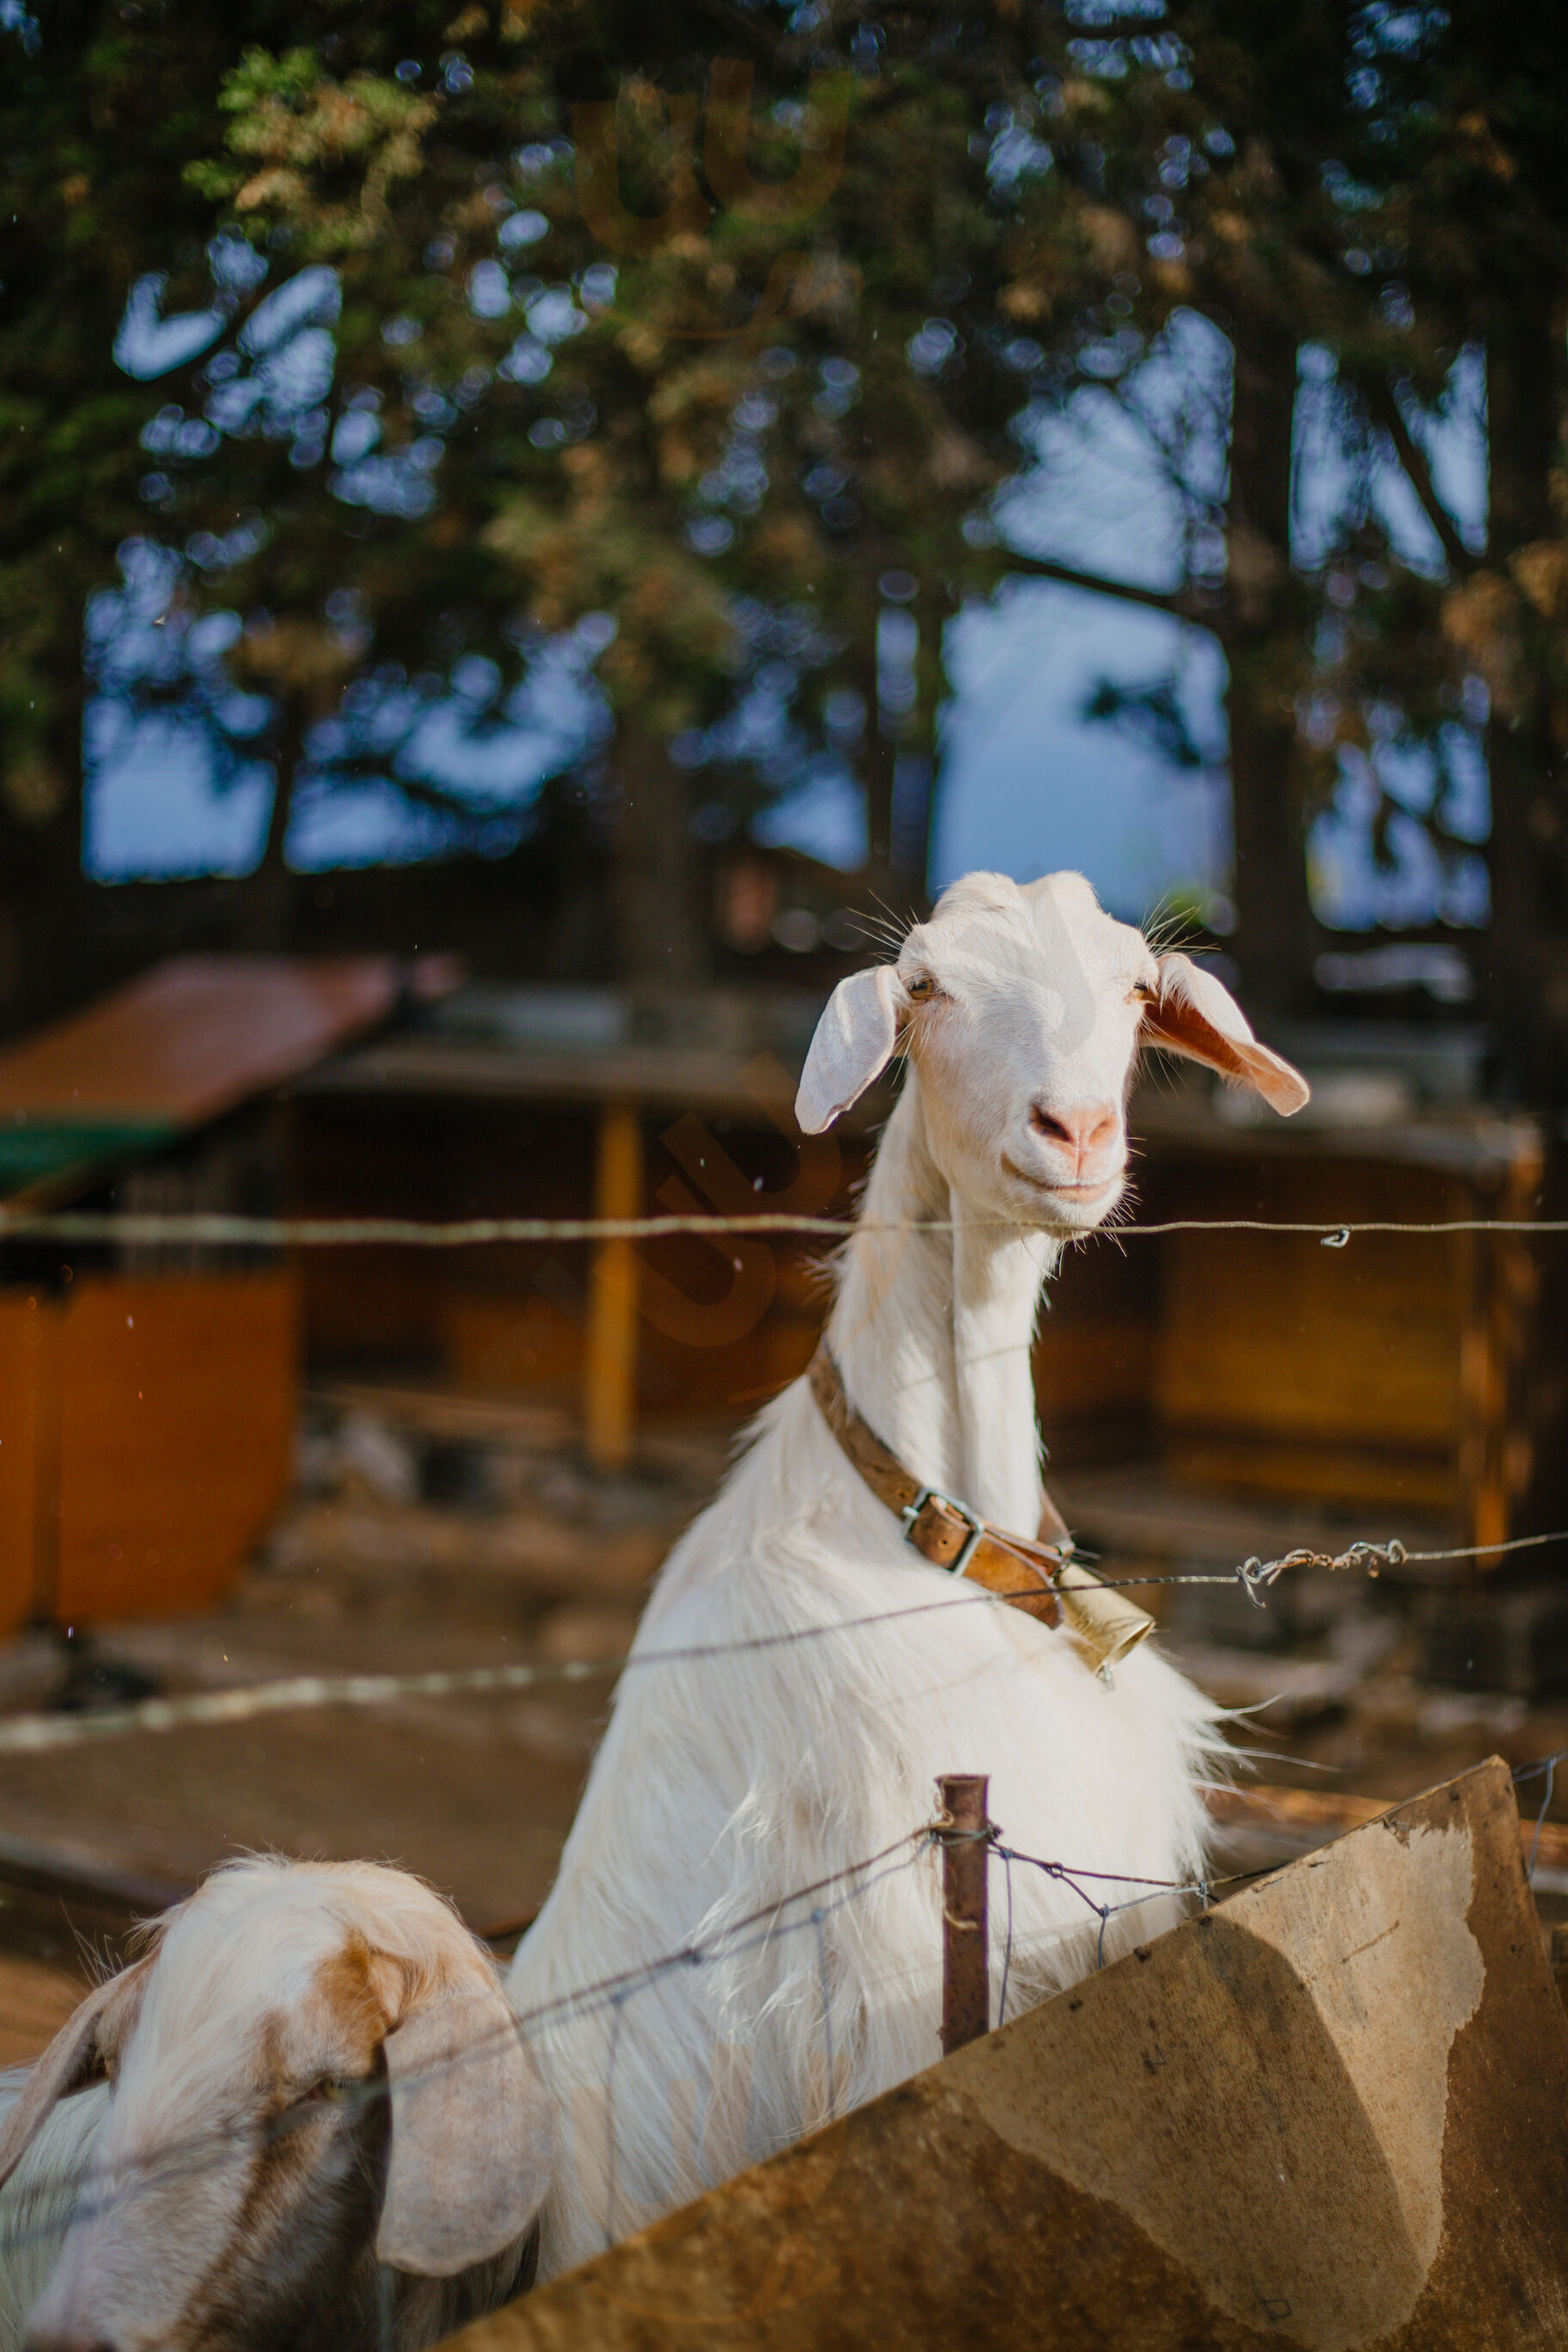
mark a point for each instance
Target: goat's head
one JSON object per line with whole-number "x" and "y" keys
{"x": 313, "y": 2073}
{"x": 1024, "y": 1011}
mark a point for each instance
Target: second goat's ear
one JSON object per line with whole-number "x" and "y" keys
{"x": 473, "y": 2134}
{"x": 853, "y": 1046}
{"x": 70, "y": 2061}
{"x": 1195, "y": 1016}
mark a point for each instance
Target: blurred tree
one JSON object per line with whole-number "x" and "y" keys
{"x": 323, "y": 483}
{"x": 730, "y": 435}
{"x": 778, "y": 377}
{"x": 98, "y": 117}
{"x": 1465, "y": 125}
{"x": 736, "y": 427}
{"x": 1381, "y": 192}
{"x": 542, "y": 329}
{"x": 122, "y": 320}
{"x": 1197, "y": 156}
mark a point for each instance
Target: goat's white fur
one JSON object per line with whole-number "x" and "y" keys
{"x": 723, "y": 1783}
{"x": 215, "y": 2193}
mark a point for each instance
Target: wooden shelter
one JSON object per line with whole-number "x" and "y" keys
{"x": 148, "y": 1398}
{"x": 1397, "y": 1375}
{"x": 513, "y": 1101}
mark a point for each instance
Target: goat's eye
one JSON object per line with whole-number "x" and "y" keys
{"x": 922, "y": 985}
{"x": 1144, "y": 992}
{"x": 333, "y": 2091}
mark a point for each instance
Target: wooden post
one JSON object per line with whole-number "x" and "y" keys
{"x": 609, "y": 1371}
{"x": 1502, "y": 1278}
{"x": 1559, "y": 1962}
{"x": 966, "y": 1936}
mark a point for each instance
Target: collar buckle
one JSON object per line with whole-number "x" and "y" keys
{"x": 911, "y": 1516}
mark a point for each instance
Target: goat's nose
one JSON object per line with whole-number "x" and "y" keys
{"x": 1085, "y": 1129}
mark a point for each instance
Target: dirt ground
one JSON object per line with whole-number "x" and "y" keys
{"x": 475, "y": 1794}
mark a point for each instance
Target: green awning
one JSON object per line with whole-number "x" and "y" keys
{"x": 36, "y": 1152}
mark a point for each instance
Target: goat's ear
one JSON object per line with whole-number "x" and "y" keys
{"x": 70, "y": 2060}
{"x": 1195, "y": 1016}
{"x": 473, "y": 2133}
{"x": 854, "y": 1043}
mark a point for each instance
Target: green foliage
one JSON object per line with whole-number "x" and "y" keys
{"x": 299, "y": 135}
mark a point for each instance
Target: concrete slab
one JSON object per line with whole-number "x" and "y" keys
{"x": 1331, "y": 2113}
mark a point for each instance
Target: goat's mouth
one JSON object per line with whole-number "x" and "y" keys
{"x": 1077, "y": 1193}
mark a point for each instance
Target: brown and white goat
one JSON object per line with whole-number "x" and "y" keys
{"x": 304, "y": 2118}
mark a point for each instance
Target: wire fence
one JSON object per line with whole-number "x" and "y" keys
{"x": 802, "y": 1910}
{"x": 36, "y": 1733}
{"x": 194, "y": 2153}
{"x": 189, "y": 2156}
{"x": 783, "y": 1917}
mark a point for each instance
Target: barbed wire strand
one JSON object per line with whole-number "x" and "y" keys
{"x": 33, "y": 1734}
{"x": 180, "y": 2158}
{"x": 571, "y": 2004}
{"x": 1104, "y": 1912}
{"x": 190, "y": 2156}
{"x": 218, "y": 1230}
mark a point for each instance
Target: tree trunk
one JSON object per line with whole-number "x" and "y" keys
{"x": 1526, "y": 949}
{"x": 898, "y": 761}
{"x": 1275, "y": 932}
{"x": 661, "y": 935}
{"x": 878, "y": 762}
{"x": 266, "y": 908}
{"x": 915, "y": 777}
{"x": 48, "y": 963}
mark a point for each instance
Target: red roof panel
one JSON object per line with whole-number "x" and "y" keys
{"x": 199, "y": 1034}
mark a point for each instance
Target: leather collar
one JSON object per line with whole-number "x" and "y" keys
{"x": 940, "y": 1528}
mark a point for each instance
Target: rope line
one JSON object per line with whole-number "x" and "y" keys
{"x": 215, "y": 1230}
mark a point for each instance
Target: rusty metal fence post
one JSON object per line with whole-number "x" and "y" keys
{"x": 962, "y": 1831}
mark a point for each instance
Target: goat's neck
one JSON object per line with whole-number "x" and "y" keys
{"x": 933, "y": 1331}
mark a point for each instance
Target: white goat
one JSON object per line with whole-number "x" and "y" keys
{"x": 319, "y": 2128}
{"x": 721, "y": 1784}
